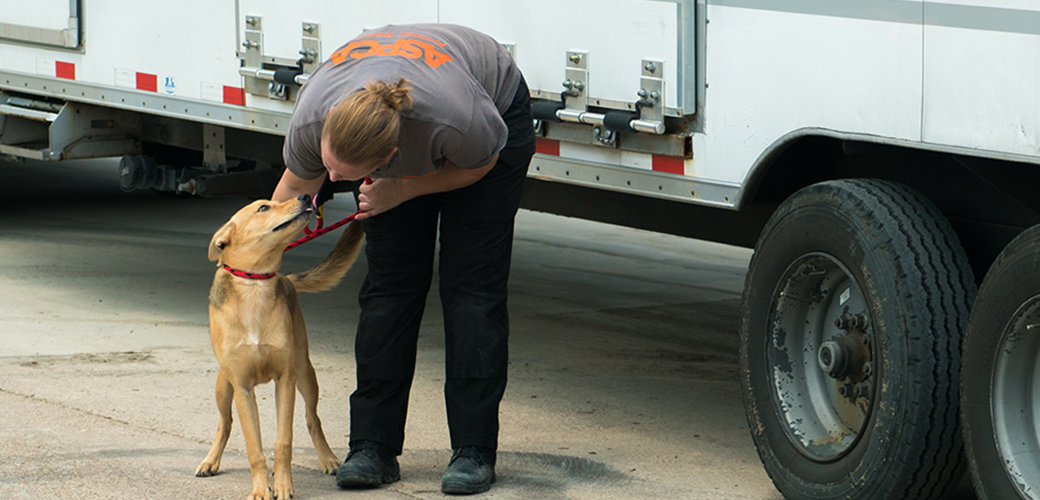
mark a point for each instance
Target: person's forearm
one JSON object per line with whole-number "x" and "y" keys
{"x": 291, "y": 186}
{"x": 385, "y": 194}
{"x": 449, "y": 178}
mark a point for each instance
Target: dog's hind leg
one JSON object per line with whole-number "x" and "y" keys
{"x": 225, "y": 394}
{"x": 307, "y": 382}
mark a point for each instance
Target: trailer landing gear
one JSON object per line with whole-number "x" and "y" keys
{"x": 244, "y": 179}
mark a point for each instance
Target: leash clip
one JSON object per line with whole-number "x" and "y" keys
{"x": 319, "y": 229}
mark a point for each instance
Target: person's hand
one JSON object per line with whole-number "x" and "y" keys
{"x": 379, "y": 196}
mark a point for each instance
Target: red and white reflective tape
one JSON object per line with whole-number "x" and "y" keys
{"x": 148, "y": 82}
{"x": 668, "y": 164}
{"x": 580, "y": 152}
{"x": 223, "y": 93}
{"x": 137, "y": 80}
{"x": 58, "y": 69}
{"x": 547, "y": 146}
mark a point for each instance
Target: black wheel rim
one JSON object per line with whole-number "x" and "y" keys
{"x": 1016, "y": 405}
{"x": 820, "y": 356}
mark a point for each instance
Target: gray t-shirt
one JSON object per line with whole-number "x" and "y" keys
{"x": 461, "y": 82}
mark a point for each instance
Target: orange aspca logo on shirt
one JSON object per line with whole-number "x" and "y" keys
{"x": 411, "y": 49}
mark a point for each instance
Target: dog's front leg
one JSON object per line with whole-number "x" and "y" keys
{"x": 225, "y": 393}
{"x": 285, "y": 399}
{"x": 245, "y": 402}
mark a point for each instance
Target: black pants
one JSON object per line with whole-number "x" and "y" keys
{"x": 476, "y": 240}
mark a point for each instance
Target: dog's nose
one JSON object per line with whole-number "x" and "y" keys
{"x": 305, "y": 198}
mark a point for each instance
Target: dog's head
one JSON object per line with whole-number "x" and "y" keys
{"x": 257, "y": 234}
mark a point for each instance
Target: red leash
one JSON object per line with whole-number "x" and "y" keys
{"x": 310, "y": 235}
{"x": 318, "y": 230}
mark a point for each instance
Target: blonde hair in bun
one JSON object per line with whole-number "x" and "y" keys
{"x": 364, "y": 127}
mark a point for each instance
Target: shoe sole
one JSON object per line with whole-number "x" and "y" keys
{"x": 461, "y": 488}
{"x": 349, "y": 482}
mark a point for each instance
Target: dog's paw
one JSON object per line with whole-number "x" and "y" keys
{"x": 260, "y": 494}
{"x": 283, "y": 490}
{"x": 329, "y": 464}
{"x": 207, "y": 469}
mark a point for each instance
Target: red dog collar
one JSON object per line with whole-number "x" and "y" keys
{"x": 249, "y": 275}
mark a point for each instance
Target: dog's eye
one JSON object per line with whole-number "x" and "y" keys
{"x": 263, "y": 208}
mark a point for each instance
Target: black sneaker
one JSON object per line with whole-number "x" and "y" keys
{"x": 369, "y": 464}
{"x": 471, "y": 470}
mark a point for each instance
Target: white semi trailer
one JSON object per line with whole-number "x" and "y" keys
{"x": 879, "y": 156}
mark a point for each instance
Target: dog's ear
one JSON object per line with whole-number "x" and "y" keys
{"x": 221, "y": 239}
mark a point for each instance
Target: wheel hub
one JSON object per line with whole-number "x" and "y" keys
{"x": 847, "y": 355}
{"x": 821, "y": 356}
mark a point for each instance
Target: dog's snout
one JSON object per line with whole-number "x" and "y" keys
{"x": 306, "y": 198}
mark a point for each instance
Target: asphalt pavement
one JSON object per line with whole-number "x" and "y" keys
{"x": 623, "y": 373}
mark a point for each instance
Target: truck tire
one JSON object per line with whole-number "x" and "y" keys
{"x": 1000, "y": 400}
{"x": 854, "y": 308}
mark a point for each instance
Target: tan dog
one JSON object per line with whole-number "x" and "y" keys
{"x": 259, "y": 335}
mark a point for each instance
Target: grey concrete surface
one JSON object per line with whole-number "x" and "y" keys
{"x": 623, "y": 375}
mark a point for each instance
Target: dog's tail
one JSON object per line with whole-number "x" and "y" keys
{"x": 330, "y": 270}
